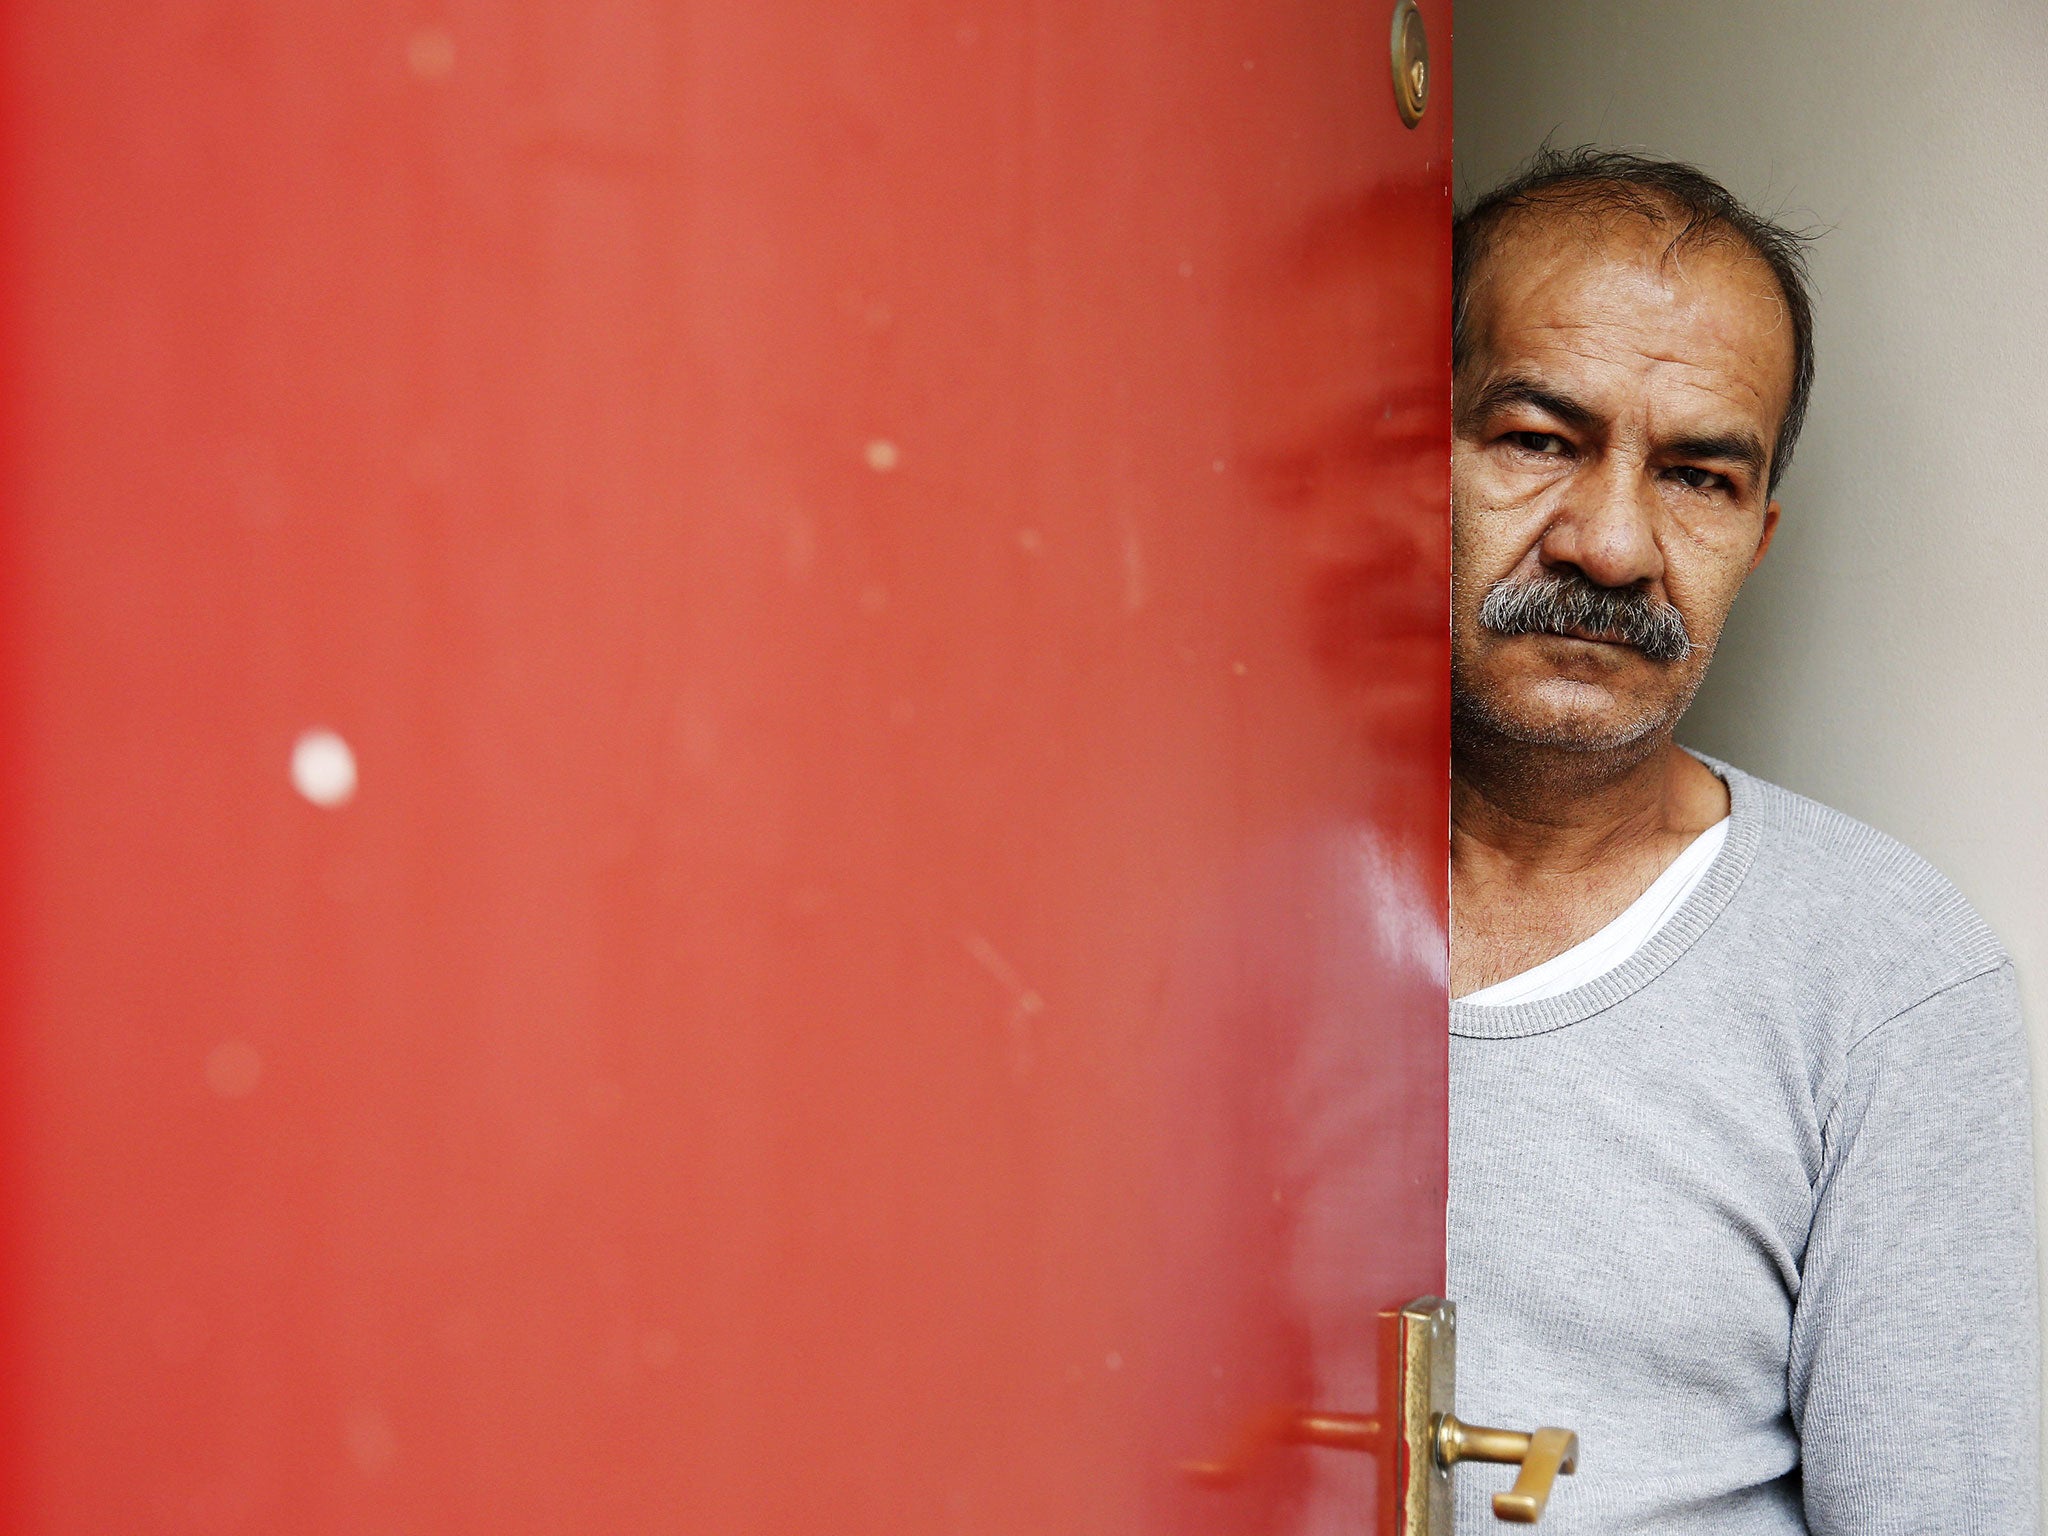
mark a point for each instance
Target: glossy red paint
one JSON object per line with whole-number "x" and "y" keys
{"x": 882, "y": 571}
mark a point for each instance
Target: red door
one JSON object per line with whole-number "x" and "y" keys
{"x": 726, "y": 751}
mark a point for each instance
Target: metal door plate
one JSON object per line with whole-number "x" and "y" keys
{"x": 1429, "y": 1355}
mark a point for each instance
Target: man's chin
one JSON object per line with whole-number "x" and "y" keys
{"x": 1590, "y": 728}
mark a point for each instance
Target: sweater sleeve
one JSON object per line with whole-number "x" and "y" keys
{"x": 1915, "y": 1346}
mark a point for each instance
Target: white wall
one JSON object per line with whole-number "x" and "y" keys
{"x": 1889, "y": 658}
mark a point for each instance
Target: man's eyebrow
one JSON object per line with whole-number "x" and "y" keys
{"x": 1513, "y": 390}
{"x": 1743, "y": 448}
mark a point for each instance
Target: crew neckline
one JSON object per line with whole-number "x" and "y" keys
{"x": 1507, "y": 1021}
{"x": 1616, "y": 942}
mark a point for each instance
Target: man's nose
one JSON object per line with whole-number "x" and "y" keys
{"x": 1607, "y": 528}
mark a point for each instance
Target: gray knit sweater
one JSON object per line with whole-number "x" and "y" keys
{"x": 1753, "y": 1213}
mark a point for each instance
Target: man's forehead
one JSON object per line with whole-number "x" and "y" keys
{"x": 1559, "y": 297}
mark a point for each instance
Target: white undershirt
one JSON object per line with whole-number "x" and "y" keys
{"x": 1619, "y": 940}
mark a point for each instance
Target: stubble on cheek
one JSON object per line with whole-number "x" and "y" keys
{"x": 1536, "y": 691}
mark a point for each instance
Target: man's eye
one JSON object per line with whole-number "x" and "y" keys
{"x": 1548, "y": 443}
{"x": 1699, "y": 479}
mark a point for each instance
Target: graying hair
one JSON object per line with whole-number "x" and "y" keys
{"x": 1562, "y": 602}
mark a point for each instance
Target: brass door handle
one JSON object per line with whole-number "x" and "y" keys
{"x": 1418, "y": 1437}
{"x": 1541, "y": 1456}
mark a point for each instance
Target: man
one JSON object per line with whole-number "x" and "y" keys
{"x": 1741, "y": 1181}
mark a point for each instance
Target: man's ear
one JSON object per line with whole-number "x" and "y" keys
{"x": 1770, "y": 532}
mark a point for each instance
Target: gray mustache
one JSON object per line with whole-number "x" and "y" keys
{"x": 1558, "y": 603}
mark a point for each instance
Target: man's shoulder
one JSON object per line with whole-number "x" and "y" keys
{"x": 1857, "y": 901}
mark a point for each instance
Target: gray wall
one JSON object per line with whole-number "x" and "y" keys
{"x": 1889, "y": 657}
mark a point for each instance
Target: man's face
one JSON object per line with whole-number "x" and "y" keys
{"x": 1609, "y": 466}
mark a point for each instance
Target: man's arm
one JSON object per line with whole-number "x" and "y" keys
{"x": 1915, "y": 1345}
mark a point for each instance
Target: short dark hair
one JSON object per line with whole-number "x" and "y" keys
{"x": 1616, "y": 182}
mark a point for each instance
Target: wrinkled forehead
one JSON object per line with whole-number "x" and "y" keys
{"x": 1560, "y": 291}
